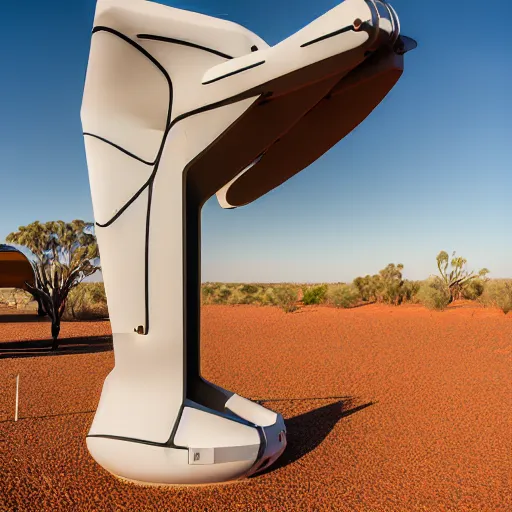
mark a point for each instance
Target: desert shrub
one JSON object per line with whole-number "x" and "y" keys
{"x": 410, "y": 290}
{"x": 223, "y": 295}
{"x": 96, "y": 292}
{"x": 249, "y": 289}
{"x": 387, "y": 286}
{"x": 286, "y": 298}
{"x": 267, "y": 296}
{"x": 366, "y": 287}
{"x": 234, "y": 297}
{"x": 314, "y": 294}
{"x": 343, "y": 295}
{"x": 208, "y": 293}
{"x": 249, "y": 299}
{"x": 498, "y": 294}
{"x": 87, "y": 301}
{"x": 74, "y": 303}
{"x": 391, "y": 284}
{"x": 373, "y": 288}
{"x": 434, "y": 294}
{"x": 473, "y": 289}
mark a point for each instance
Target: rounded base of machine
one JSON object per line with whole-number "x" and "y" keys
{"x": 151, "y": 464}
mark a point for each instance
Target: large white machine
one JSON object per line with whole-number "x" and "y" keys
{"x": 179, "y": 106}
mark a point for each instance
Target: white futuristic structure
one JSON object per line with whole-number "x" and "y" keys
{"x": 179, "y": 106}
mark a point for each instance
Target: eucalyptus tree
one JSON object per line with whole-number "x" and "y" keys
{"x": 63, "y": 254}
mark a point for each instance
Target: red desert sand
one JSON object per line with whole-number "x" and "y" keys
{"x": 387, "y": 409}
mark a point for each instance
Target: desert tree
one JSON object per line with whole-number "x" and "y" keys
{"x": 455, "y": 275}
{"x": 369, "y": 287}
{"x": 63, "y": 255}
{"x": 392, "y": 284}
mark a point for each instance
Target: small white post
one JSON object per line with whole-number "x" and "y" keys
{"x": 17, "y": 396}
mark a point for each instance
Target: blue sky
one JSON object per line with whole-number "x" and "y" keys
{"x": 429, "y": 170}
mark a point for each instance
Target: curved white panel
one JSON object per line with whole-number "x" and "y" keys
{"x": 251, "y": 411}
{"x": 114, "y": 178}
{"x": 126, "y": 98}
{"x": 178, "y": 106}
{"x": 201, "y": 429}
{"x": 122, "y": 264}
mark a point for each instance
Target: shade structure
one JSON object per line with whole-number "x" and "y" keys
{"x": 15, "y": 268}
{"x": 178, "y": 107}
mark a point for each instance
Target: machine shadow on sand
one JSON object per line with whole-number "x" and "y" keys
{"x": 307, "y": 431}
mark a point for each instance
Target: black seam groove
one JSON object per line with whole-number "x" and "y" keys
{"x": 138, "y": 441}
{"x": 327, "y": 36}
{"x": 181, "y": 117}
{"x": 101, "y": 28}
{"x": 169, "y": 444}
{"x": 125, "y": 151}
{"x": 126, "y": 205}
{"x": 149, "y": 182}
{"x": 234, "y": 72}
{"x": 153, "y": 37}
{"x": 146, "y": 265}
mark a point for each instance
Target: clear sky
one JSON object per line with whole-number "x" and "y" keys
{"x": 429, "y": 170}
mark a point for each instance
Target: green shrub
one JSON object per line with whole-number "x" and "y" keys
{"x": 498, "y": 294}
{"x": 410, "y": 290}
{"x": 267, "y": 297}
{"x": 434, "y": 294}
{"x": 223, "y": 295}
{"x": 234, "y": 297}
{"x": 249, "y": 289}
{"x": 343, "y": 295}
{"x": 286, "y": 298}
{"x": 87, "y": 301}
{"x": 473, "y": 289}
{"x": 249, "y": 299}
{"x": 314, "y": 294}
{"x": 391, "y": 284}
{"x": 208, "y": 293}
{"x": 367, "y": 287}
{"x": 387, "y": 286}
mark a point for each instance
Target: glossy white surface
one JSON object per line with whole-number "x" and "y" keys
{"x": 163, "y": 87}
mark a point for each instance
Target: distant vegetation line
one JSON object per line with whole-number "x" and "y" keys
{"x": 88, "y": 300}
{"x": 64, "y": 255}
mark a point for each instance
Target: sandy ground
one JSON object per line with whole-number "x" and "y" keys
{"x": 387, "y": 409}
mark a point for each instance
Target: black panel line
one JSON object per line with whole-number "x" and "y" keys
{"x": 168, "y": 444}
{"x": 234, "y": 72}
{"x": 327, "y": 36}
{"x": 176, "y": 120}
{"x": 152, "y": 37}
{"x": 125, "y": 151}
{"x": 239, "y": 97}
{"x": 131, "y": 42}
{"x": 146, "y": 265}
{"x": 126, "y": 205}
{"x": 149, "y": 182}
{"x": 138, "y": 441}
